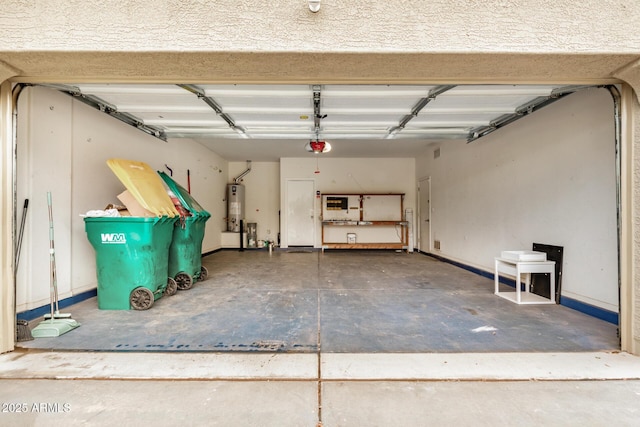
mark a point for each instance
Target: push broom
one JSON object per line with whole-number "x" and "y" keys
{"x": 55, "y": 323}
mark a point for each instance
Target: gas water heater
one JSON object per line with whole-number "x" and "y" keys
{"x": 235, "y": 206}
{"x": 235, "y": 201}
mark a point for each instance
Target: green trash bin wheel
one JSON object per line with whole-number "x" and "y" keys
{"x": 172, "y": 287}
{"x": 184, "y": 280}
{"x": 141, "y": 298}
{"x": 204, "y": 273}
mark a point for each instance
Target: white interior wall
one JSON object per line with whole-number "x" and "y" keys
{"x": 350, "y": 175}
{"x": 262, "y": 195}
{"x": 549, "y": 178}
{"x": 44, "y": 164}
{"x": 63, "y": 146}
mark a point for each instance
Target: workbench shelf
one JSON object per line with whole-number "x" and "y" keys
{"x": 364, "y": 221}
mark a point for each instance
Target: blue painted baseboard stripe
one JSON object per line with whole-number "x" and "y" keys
{"x": 597, "y": 312}
{"x": 591, "y": 310}
{"x": 37, "y": 312}
{"x": 41, "y": 311}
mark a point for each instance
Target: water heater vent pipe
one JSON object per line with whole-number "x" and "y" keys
{"x": 242, "y": 175}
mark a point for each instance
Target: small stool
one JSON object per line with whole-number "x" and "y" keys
{"x": 517, "y": 268}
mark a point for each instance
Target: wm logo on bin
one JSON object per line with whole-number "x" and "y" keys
{"x": 113, "y": 238}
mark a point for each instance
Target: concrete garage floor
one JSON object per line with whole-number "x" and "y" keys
{"x": 334, "y": 389}
{"x": 334, "y": 302}
{"x": 333, "y": 339}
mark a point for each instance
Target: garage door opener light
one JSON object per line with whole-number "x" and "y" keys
{"x": 318, "y": 147}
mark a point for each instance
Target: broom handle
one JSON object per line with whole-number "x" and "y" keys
{"x": 21, "y": 232}
{"x": 52, "y": 259}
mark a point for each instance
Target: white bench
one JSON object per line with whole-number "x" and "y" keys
{"x": 517, "y": 269}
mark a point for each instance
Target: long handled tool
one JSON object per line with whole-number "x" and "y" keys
{"x": 21, "y": 232}
{"x": 56, "y": 323}
{"x": 52, "y": 268}
{"x": 23, "y": 333}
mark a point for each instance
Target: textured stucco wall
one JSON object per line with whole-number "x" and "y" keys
{"x": 6, "y": 71}
{"x": 635, "y": 297}
{"x": 346, "y": 26}
{"x": 282, "y": 40}
{"x": 7, "y": 328}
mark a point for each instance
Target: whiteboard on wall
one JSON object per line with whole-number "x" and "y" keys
{"x": 337, "y": 207}
{"x": 375, "y": 207}
{"x": 380, "y": 207}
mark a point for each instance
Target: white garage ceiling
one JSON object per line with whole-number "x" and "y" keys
{"x": 267, "y": 122}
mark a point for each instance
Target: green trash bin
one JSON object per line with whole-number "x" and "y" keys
{"x": 131, "y": 260}
{"x": 185, "y": 252}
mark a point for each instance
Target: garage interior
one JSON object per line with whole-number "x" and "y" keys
{"x": 487, "y": 168}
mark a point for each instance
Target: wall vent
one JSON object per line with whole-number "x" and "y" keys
{"x": 436, "y": 153}
{"x": 436, "y": 244}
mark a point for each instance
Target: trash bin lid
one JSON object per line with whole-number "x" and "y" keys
{"x": 143, "y": 183}
{"x": 183, "y": 195}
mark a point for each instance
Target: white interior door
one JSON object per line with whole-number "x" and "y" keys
{"x": 300, "y": 213}
{"x": 424, "y": 189}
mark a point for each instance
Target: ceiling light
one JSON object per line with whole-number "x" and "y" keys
{"x": 318, "y": 147}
